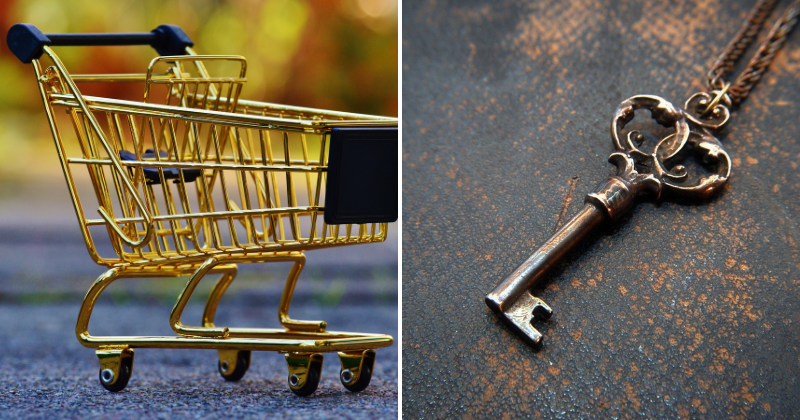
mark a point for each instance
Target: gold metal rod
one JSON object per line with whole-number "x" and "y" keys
{"x": 126, "y": 77}
{"x": 183, "y": 299}
{"x": 295, "y": 335}
{"x": 222, "y": 116}
{"x": 302, "y": 111}
{"x": 194, "y": 80}
{"x": 215, "y": 214}
{"x": 188, "y": 165}
{"x": 253, "y": 344}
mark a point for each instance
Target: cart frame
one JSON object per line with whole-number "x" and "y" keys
{"x": 145, "y": 227}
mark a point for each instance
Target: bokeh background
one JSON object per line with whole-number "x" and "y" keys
{"x": 332, "y": 54}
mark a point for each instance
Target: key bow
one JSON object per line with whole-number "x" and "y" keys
{"x": 662, "y": 171}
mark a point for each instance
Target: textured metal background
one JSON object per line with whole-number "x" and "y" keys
{"x": 677, "y": 310}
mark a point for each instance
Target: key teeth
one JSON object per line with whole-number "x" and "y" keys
{"x": 541, "y": 310}
{"x": 532, "y": 335}
{"x": 520, "y": 315}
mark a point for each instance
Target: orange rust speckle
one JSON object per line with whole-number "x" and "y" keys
{"x": 730, "y": 262}
{"x": 623, "y": 290}
{"x": 718, "y": 368}
{"x": 451, "y": 173}
{"x": 776, "y": 188}
{"x": 751, "y": 160}
{"x": 554, "y": 370}
{"x": 487, "y": 396}
{"x": 577, "y": 334}
{"x": 631, "y": 394}
{"x": 423, "y": 130}
{"x": 487, "y": 257}
{"x": 673, "y": 341}
{"x": 766, "y": 406}
{"x": 749, "y": 397}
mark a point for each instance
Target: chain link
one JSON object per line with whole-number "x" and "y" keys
{"x": 758, "y": 65}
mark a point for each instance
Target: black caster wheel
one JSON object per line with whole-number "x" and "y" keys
{"x": 107, "y": 377}
{"x": 312, "y": 381}
{"x": 356, "y": 369}
{"x": 233, "y": 368}
{"x": 305, "y": 369}
{"x": 361, "y": 384}
{"x": 116, "y": 367}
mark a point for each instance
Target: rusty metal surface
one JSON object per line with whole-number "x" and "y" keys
{"x": 677, "y": 310}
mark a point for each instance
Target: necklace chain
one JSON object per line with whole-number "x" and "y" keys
{"x": 747, "y": 79}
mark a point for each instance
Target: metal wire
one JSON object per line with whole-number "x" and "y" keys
{"x": 758, "y": 65}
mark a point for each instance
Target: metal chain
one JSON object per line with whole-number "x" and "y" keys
{"x": 758, "y": 65}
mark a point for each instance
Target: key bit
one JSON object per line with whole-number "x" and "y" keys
{"x": 519, "y": 317}
{"x": 638, "y": 174}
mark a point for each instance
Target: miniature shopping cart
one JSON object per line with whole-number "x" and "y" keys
{"x": 193, "y": 180}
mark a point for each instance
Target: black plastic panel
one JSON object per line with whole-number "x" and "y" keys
{"x": 362, "y": 176}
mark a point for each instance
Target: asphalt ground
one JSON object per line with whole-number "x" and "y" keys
{"x": 45, "y": 373}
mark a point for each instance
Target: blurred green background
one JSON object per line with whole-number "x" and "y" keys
{"x": 331, "y": 54}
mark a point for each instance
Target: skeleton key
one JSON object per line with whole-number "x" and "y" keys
{"x": 638, "y": 174}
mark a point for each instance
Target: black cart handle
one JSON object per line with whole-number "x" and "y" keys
{"x": 26, "y": 40}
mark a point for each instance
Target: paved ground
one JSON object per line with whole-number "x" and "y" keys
{"x": 45, "y": 373}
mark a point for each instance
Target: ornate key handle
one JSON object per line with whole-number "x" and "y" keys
{"x": 638, "y": 174}
{"x": 661, "y": 171}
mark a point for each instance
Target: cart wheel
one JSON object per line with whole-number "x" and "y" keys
{"x": 233, "y": 364}
{"x": 304, "y": 372}
{"x": 356, "y": 369}
{"x": 116, "y": 367}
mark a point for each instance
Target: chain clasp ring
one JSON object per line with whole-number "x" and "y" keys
{"x": 720, "y": 95}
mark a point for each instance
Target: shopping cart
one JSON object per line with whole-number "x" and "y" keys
{"x": 193, "y": 180}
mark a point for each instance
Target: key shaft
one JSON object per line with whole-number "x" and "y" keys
{"x": 538, "y": 265}
{"x": 512, "y": 301}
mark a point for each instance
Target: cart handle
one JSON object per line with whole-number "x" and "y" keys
{"x": 26, "y": 40}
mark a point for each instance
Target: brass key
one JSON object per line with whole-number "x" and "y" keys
{"x": 638, "y": 174}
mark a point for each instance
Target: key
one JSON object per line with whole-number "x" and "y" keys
{"x": 638, "y": 174}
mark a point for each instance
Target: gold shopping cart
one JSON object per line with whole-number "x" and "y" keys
{"x": 193, "y": 180}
